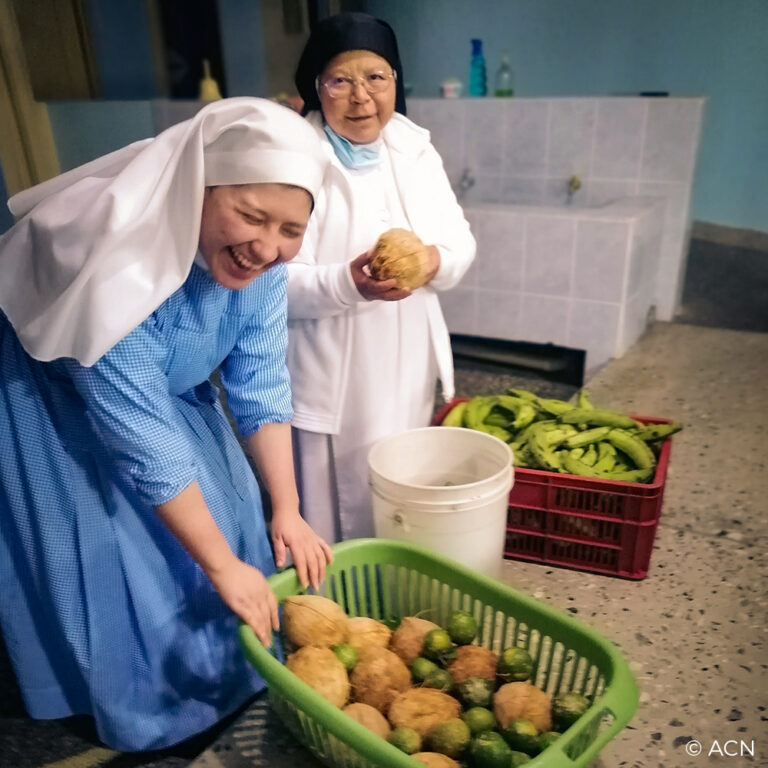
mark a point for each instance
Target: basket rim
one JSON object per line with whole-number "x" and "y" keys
{"x": 619, "y": 697}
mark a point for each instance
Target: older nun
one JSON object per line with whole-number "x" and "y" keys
{"x": 365, "y": 355}
{"x": 132, "y": 537}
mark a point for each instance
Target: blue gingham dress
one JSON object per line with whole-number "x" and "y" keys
{"x": 102, "y": 610}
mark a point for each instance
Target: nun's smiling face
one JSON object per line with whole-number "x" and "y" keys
{"x": 349, "y": 108}
{"x": 247, "y": 229}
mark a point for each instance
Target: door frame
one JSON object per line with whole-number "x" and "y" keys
{"x": 27, "y": 148}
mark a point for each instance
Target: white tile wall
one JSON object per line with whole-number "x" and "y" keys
{"x": 525, "y": 137}
{"x": 549, "y": 243}
{"x": 673, "y": 251}
{"x": 618, "y": 138}
{"x": 571, "y": 136}
{"x": 459, "y": 309}
{"x": 594, "y": 326}
{"x": 484, "y": 136}
{"x": 542, "y": 275}
{"x": 522, "y": 189}
{"x": 544, "y": 319}
{"x": 499, "y": 238}
{"x": 646, "y": 249}
{"x": 602, "y": 255}
{"x": 486, "y": 189}
{"x": 634, "y": 324}
{"x": 498, "y": 314}
{"x": 581, "y": 278}
{"x": 602, "y": 191}
{"x": 445, "y": 121}
{"x": 671, "y": 139}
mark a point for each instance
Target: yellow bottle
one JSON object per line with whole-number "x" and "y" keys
{"x": 209, "y": 88}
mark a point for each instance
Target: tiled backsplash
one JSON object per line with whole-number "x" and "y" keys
{"x": 523, "y": 151}
{"x": 575, "y": 277}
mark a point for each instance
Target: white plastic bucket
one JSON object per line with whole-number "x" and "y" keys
{"x": 445, "y": 488}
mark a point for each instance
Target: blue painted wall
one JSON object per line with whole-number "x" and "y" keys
{"x": 715, "y": 48}
{"x": 124, "y": 58}
{"x": 84, "y": 130}
{"x": 243, "y": 47}
{"x": 122, "y": 48}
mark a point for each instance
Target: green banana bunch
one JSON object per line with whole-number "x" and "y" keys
{"x": 558, "y": 436}
{"x": 455, "y": 417}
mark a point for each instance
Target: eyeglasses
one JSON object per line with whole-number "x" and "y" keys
{"x": 342, "y": 87}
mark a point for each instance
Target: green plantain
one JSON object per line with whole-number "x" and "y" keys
{"x": 455, "y": 417}
{"x": 598, "y": 417}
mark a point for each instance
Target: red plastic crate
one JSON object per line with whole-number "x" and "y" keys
{"x": 604, "y": 526}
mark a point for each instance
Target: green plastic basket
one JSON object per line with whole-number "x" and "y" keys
{"x": 387, "y": 580}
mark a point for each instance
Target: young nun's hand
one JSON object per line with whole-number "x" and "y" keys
{"x": 245, "y": 590}
{"x": 310, "y": 553}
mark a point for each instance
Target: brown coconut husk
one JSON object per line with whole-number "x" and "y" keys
{"x": 368, "y": 716}
{"x": 367, "y": 633}
{"x": 322, "y": 671}
{"x": 400, "y": 254}
{"x": 422, "y": 708}
{"x": 408, "y": 639}
{"x": 522, "y": 700}
{"x": 378, "y": 677}
{"x": 434, "y": 760}
{"x": 314, "y": 620}
{"x": 473, "y": 661}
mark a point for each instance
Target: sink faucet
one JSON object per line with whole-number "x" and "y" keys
{"x": 574, "y": 185}
{"x": 466, "y": 182}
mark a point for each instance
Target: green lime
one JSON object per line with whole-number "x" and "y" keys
{"x": 421, "y": 667}
{"x": 489, "y": 750}
{"x": 479, "y": 719}
{"x": 462, "y": 627}
{"x": 405, "y": 739}
{"x": 518, "y": 758}
{"x": 440, "y": 679}
{"x": 522, "y": 735}
{"x": 547, "y": 738}
{"x": 346, "y": 654}
{"x": 476, "y": 692}
{"x": 450, "y": 738}
{"x": 437, "y": 645}
{"x": 515, "y": 665}
{"x": 567, "y": 708}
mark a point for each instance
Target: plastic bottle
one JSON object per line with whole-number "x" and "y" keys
{"x": 504, "y": 84}
{"x": 209, "y": 88}
{"x": 477, "y": 78}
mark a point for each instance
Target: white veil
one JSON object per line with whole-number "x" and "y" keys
{"x": 100, "y": 247}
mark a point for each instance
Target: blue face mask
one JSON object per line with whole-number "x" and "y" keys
{"x": 353, "y": 155}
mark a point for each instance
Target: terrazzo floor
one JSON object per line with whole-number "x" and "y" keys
{"x": 695, "y": 631}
